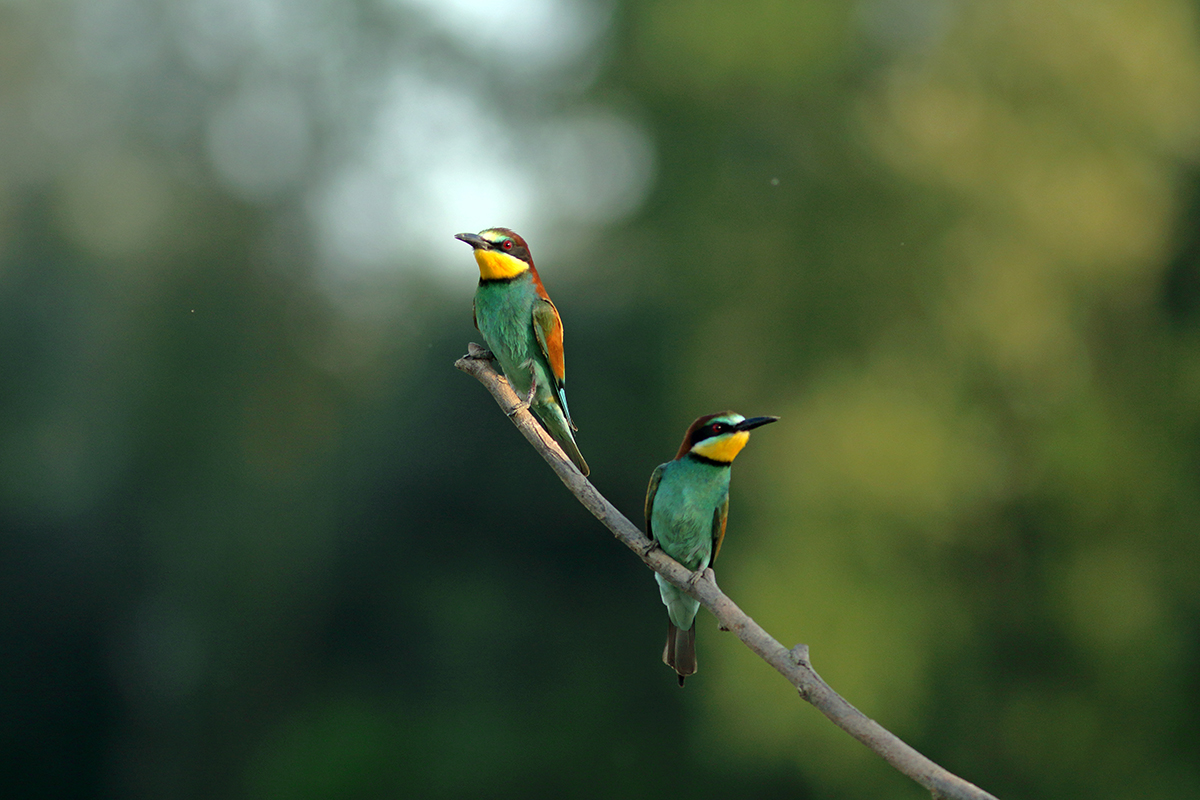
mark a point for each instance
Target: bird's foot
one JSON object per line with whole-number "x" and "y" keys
{"x": 532, "y": 381}
{"x": 526, "y": 401}
{"x": 478, "y": 352}
{"x": 700, "y": 575}
{"x": 650, "y": 548}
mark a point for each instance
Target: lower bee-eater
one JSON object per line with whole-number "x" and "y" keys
{"x": 523, "y": 330}
{"x": 687, "y": 505}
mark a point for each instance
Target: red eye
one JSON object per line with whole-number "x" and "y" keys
{"x": 507, "y": 244}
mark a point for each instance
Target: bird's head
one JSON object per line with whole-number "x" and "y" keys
{"x": 719, "y": 437}
{"x": 500, "y": 253}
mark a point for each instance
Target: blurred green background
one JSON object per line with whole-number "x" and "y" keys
{"x": 258, "y": 538}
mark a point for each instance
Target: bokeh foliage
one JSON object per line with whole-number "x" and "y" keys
{"x": 259, "y": 539}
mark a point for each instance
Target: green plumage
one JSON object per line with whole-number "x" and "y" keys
{"x": 687, "y": 505}
{"x": 685, "y": 516}
{"x": 510, "y": 314}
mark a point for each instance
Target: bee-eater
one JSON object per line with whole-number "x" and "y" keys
{"x": 687, "y": 505}
{"x": 523, "y": 330}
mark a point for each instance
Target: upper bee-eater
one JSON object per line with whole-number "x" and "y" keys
{"x": 523, "y": 330}
{"x": 687, "y": 505}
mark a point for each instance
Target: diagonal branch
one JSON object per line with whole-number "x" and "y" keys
{"x": 792, "y": 664}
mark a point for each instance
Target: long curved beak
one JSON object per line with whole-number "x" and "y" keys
{"x": 754, "y": 422}
{"x": 474, "y": 239}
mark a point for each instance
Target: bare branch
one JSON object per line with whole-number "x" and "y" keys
{"x": 792, "y": 664}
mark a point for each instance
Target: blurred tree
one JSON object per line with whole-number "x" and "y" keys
{"x": 951, "y": 244}
{"x": 1000, "y": 429}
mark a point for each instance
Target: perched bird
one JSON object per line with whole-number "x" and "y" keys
{"x": 523, "y": 330}
{"x": 687, "y": 505}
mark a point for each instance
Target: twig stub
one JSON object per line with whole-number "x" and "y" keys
{"x": 793, "y": 664}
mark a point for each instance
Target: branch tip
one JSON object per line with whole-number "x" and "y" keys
{"x": 793, "y": 664}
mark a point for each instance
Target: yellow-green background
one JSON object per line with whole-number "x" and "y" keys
{"x": 259, "y": 539}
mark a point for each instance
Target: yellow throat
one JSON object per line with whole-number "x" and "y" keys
{"x": 494, "y": 265}
{"x": 724, "y": 447}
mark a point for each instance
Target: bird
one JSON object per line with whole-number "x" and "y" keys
{"x": 687, "y": 506}
{"x": 523, "y": 330}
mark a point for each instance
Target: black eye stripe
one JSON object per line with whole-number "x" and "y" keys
{"x": 710, "y": 430}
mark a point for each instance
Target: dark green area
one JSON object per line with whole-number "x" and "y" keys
{"x": 258, "y": 538}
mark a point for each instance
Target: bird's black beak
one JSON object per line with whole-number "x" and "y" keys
{"x": 474, "y": 239}
{"x": 754, "y": 422}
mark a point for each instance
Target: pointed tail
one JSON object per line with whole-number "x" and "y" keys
{"x": 680, "y": 651}
{"x": 559, "y": 429}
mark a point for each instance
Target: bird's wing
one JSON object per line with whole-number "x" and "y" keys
{"x": 547, "y": 327}
{"x": 652, "y": 490}
{"x": 720, "y": 517}
{"x": 474, "y": 317}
